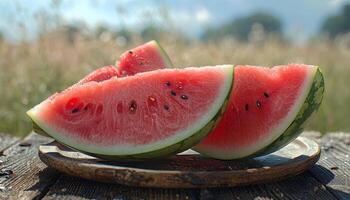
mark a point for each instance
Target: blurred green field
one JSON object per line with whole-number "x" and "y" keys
{"x": 31, "y": 71}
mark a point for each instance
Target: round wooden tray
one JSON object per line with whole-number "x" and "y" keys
{"x": 185, "y": 170}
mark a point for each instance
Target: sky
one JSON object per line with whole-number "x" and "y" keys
{"x": 301, "y": 19}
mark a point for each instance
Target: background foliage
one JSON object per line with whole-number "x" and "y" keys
{"x": 63, "y": 53}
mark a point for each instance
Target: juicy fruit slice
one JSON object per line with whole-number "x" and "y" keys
{"x": 146, "y": 57}
{"x": 100, "y": 74}
{"x": 148, "y": 115}
{"x": 267, "y": 109}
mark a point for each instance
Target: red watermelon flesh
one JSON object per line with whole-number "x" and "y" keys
{"x": 263, "y": 103}
{"x": 129, "y": 64}
{"x": 152, "y": 51}
{"x": 147, "y": 57}
{"x": 100, "y": 74}
{"x": 138, "y": 114}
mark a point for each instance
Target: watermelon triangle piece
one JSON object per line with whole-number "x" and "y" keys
{"x": 148, "y": 115}
{"x": 267, "y": 109}
{"x": 129, "y": 64}
{"x": 100, "y": 74}
{"x": 147, "y": 57}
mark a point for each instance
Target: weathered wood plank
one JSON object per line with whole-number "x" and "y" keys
{"x": 6, "y": 141}
{"x": 333, "y": 169}
{"x": 24, "y": 175}
{"x": 76, "y": 188}
{"x": 31, "y": 179}
{"x": 186, "y": 170}
{"x": 302, "y": 186}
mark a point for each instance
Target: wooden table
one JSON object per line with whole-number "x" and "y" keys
{"x": 24, "y": 176}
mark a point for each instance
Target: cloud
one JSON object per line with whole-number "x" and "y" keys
{"x": 336, "y": 3}
{"x": 203, "y": 15}
{"x": 80, "y": 11}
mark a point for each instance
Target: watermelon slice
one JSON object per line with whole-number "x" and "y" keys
{"x": 148, "y": 115}
{"x": 147, "y": 57}
{"x": 129, "y": 63}
{"x": 100, "y": 74}
{"x": 267, "y": 109}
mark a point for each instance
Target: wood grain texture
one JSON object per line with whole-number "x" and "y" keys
{"x": 186, "y": 170}
{"x": 68, "y": 187}
{"x": 30, "y": 179}
{"x": 333, "y": 169}
{"x": 25, "y": 176}
{"x": 6, "y": 141}
{"x": 303, "y": 186}
{"x": 299, "y": 187}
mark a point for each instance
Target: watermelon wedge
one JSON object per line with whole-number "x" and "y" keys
{"x": 147, "y": 57}
{"x": 130, "y": 63}
{"x": 267, "y": 109}
{"x": 148, "y": 115}
{"x": 100, "y": 74}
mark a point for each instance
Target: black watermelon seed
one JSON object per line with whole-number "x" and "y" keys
{"x": 130, "y": 52}
{"x": 184, "y": 97}
{"x": 266, "y": 95}
{"x": 75, "y": 110}
{"x": 141, "y": 63}
{"x": 166, "y": 107}
{"x": 173, "y": 93}
{"x": 133, "y": 106}
{"x": 246, "y": 107}
{"x": 258, "y": 104}
{"x": 167, "y": 83}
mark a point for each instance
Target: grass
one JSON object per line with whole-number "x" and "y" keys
{"x": 31, "y": 71}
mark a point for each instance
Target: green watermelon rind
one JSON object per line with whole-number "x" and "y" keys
{"x": 179, "y": 146}
{"x": 163, "y": 54}
{"x": 310, "y": 105}
{"x": 39, "y": 130}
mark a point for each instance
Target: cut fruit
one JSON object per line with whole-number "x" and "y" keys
{"x": 100, "y": 74}
{"x": 146, "y": 57}
{"x": 267, "y": 109}
{"x": 148, "y": 115}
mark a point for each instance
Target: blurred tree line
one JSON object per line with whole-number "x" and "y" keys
{"x": 241, "y": 28}
{"x": 254, "y": 26}
{"x": 337, "y": 24}
{"x": 244, "y": 28}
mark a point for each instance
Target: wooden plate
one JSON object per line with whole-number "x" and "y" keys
{"x": 185, "y": 170}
